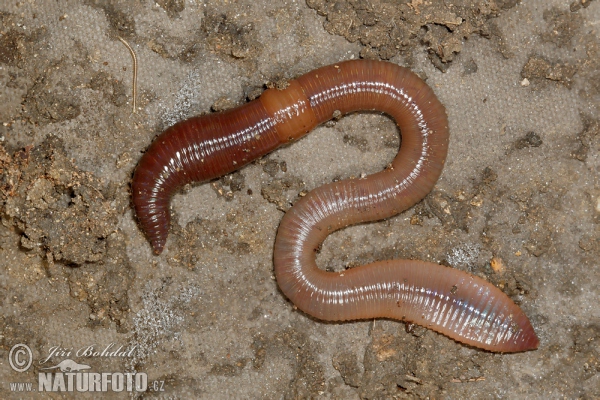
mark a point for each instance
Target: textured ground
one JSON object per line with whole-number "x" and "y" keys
{"x": 518, "y": 202}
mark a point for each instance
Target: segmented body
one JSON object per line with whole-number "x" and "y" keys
{"x": 455, "y": 303}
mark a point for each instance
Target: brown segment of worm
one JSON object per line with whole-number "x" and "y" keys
{"x": 452, "y": 302}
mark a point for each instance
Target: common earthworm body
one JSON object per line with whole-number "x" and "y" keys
{"x": 452, "y": 302}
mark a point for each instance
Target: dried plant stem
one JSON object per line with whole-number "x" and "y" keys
{"x": 134, "y": 58}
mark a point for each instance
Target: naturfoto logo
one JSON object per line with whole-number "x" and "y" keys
{"x": 68, "y": 375}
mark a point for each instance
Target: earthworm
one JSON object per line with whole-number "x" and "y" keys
{"x": 452, "y": 302}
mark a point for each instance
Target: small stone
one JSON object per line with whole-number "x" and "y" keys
{"x": 497, "y": 265}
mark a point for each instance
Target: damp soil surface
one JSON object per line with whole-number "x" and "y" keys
{"x": 518, "y": 203}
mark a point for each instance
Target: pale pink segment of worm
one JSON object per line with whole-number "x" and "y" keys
{"x": 452, "y": 302}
